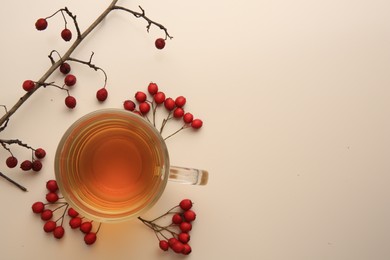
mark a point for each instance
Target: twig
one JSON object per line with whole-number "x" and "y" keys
{"x": 13, "y": 182}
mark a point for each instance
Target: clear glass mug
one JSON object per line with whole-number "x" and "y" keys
{"x": 112, "y": 165}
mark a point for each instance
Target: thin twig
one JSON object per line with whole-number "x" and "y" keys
{"x": 13, "y": 182}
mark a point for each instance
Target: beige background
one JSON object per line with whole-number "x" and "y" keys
{"x": 295, "y": 101}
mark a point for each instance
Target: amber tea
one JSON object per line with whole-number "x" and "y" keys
{"x": 111, "y": 164}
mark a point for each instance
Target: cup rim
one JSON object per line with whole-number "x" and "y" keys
{"x": 130, "y": 115}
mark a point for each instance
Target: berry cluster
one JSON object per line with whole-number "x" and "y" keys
{"x": 47, "y": 212}
{"x": 148, "y": 102}
{"x": 66, "y": 34}
{"x": 175, "y": 235}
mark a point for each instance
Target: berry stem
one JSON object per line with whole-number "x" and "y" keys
{"x": 164, "y": 122}
{"x": 142, "y": 15}
{"x": 13, "y": 182}
{"x": 92, "y": 66}
{"x": 183, "y": 127}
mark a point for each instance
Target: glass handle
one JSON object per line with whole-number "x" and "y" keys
{"x": 188, "y": 175}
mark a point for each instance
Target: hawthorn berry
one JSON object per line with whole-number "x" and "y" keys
{"x": 38, "y": 207}
{"x": 140, "y": 96}
{"x": 59, "y": 232}
{"x": 86, "y": 227}
{"x": 172, "y": 241}
{"x": 52, "y": 197}
{"x": 164, "y": 245}
{"x": 11, "y": 162}
{"x": 187, "y": 118}
{"x": 66, "y": 34}
{"x": 129, "y": 105}
{"x": 102, "y": 94}
{"x": 65, "y": 68}
{"x": 196, "y": 123}
{"x": 184, "y": 238}
{"x": 49, "y": 226}
{"x": 185, "y": 227}
{"x": 177, "y": 219}
{"x": 144, "y": 108}
{"x": 52, "y": 185}
{"x": 75, "y": 222}
{"x": 159, "y": 97}
{"x": 28, "y": 85}
{"x": 180, "y": 101}
{"x": 169, "y": 104}
{"x": 46, "y": 214}
{"x": 189, "y": 215}
{"x": 41, "y": 24}
{"x": 40, "y": 153}
{"x": 159, "y": 43}
{"x": 178, "y": 112}
{"x": 26, "y": 165}
{"x": 185, "y": 204}
{"x": 152, "y": 88}
{"x": 90, "y": 238}
{"x": 72, "y": 213}
{"x": 178, "y": 247}
{"x": 36, "y": 165}
{"x": 70, "y": 102}
{"x": 70, "y": 80}
{"x": 187, "y": 249}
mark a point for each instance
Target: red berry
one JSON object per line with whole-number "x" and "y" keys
{"x": 72, "y": 213}
{"x": 49, "y": 226}
{"x": 11, "y": 162}
{"x": 38, "y": 207}
{"x": 66, "y": 34}
{"x": 70, "y": 80}
{"x": 188, "y": 117}
{"x": 102, "y": 94}
{"x": 159, "y": 43}
{"x": 169, "y": 104}
{"x": 52, "y": 197}
{"x": 59, "y": 232}
{"x": 40, "y": 153}
{"x": 185, "y": 204}
{"x": 159, "y": 97}
{"x": 86, "y": 227}
{"x": 177, "y": 219}
{"x": 185, "y": 227}
{"x": 75, "y": 222}
{"x": 140, "y": 96}
{"x": 144, "y": 108}
{"x": 164, "y": 245}
{"x": 189, "y": 215}
{"x": 90, "y": 238}
{"x": 178, "y": 112}
{"x": 172, "y": 241}
{"x": 52, "y": 185}
{"x": 41, "y": 24}
{"x": 196, "y": 123}
{"x": 36, "y": 166}
{"x": 70, "y": 102}
{"x": 180, "y": 101}
{"x": 177, "y": 247}
{"x": 184, "y": 238}
{"x": 65, "y": 68}
{"x": 28, "y": 85}
{"x": 46, "y": 214}
{"x": 187, "y": 249}
{"x": 26, "y": 165}
{"x": 152, "y": 88}
{"x": 129, "y": 105}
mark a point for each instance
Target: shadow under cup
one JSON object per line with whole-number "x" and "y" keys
{"x": 111, "y": 165}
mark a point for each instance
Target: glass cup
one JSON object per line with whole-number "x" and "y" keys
{"x": 112, "y": 165}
